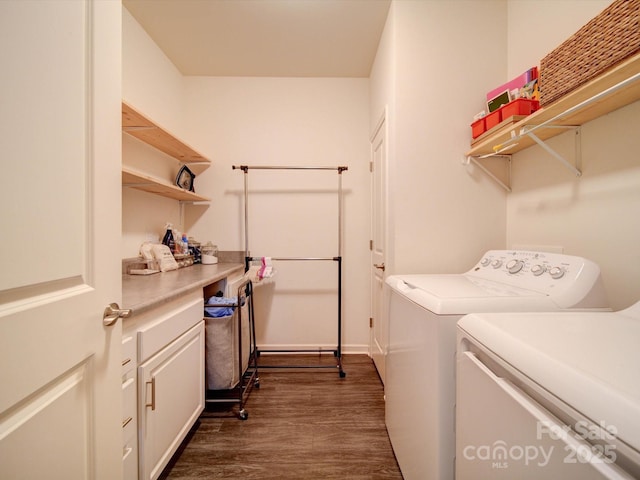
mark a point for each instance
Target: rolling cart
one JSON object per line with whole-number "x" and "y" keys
{"x": 231, "y": 353}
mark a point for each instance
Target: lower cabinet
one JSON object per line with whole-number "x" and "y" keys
{"x": 162, "y": 383}
{"x": 171, "y": 393}
{"x": 129, "y": 408}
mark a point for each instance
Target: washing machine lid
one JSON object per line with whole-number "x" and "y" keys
{"x": 465, "y": 286}
{"x": 587, "y": 359}
{"x": 459, "y": 294}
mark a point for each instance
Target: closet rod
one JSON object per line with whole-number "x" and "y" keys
{"x": 244, "y": 168}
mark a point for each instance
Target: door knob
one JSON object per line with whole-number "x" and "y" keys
{"x": 113, "y": 312}
{"x": 379, "y": 266}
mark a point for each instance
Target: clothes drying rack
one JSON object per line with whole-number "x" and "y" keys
{"x": 337, "y": 352}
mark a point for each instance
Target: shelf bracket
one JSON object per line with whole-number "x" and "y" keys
{"x": 577, "y": 152}
{"x": 476, "y": 162}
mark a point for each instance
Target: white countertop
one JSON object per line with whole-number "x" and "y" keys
{"x": 142, "y": 292}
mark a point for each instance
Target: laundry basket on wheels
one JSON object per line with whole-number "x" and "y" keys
{"x": 230, "y": 348}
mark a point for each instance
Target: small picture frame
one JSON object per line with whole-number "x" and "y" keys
{"x": 185, "y": 178}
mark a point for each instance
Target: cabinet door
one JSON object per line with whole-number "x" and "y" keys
{"x": 129, "y": 408}
{"x": 171, "y": 396}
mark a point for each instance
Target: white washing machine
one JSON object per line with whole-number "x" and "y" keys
{"x": 420, "y": 364}
{"x": 549, "y": 395}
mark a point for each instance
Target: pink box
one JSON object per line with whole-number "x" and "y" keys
{"x": 518, "y": 82}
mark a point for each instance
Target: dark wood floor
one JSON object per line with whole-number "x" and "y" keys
{"x": 302, "y": 424}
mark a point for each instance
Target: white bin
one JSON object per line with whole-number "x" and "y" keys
{"x": 222, "y": 349}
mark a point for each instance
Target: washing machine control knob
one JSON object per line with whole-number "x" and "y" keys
{"x": 538, "y": 270}
{"x": 514, "y": 266}
{"x": 556, "y": 272}
{"x": 497, "y": 263}
{"x": 485, "y": 261}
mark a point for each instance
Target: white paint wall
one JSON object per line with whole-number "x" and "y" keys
{"x": 152, "y": 84}
{"x": 150, "y": 81}
{"x": 596, "y": 215}
{"x": 296, "y": 122}
{"x": 443, "y": 215}
{"x": 432, "y": 72}
{"x": 258, "y": 121}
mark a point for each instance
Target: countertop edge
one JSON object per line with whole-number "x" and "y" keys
{"x": 143, "y": 293}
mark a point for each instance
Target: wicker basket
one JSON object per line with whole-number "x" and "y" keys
{"x": 606, "y": 40}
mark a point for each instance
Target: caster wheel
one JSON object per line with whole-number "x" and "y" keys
{"x": 342, "y": 374}
{"x": 243, "y": 414}
{"x": 256, "y": 383}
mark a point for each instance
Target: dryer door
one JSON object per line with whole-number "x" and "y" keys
{"x": 501, "y": 433}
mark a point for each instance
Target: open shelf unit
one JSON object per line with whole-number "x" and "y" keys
{"x": 613, "y": 89}
{"x": 144, "y": 129}
{"x": 149, "y": 184}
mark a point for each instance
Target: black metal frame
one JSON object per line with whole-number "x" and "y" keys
{"x": 337, "y": 352}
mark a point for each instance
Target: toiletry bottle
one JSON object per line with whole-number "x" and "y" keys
{"x": 185, "y": 244}
{"x": 168, "y": 237}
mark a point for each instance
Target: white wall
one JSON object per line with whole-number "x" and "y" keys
{"x": 295, "y": 122}
{"x": 258, "y": 121}
{"x": 431, "y": 74}
{"x": 596, "y": 214}
{"x": 151, "y": 84}
{"x": 535, "y": 27}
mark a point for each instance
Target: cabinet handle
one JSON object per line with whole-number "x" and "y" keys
{"x": 126, "y": 422}
{"x": 125, "y": 452}
{"x": 125, "y": 361}
{"x": 153, "y": 393}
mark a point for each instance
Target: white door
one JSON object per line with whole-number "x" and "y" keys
{"x": 379, "y": 321}
{"x": 60, "y": 391}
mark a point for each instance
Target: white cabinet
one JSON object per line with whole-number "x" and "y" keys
{"x": 171, "y": 392}
{"x": 163, "y": 383}
{"x": 129, "y": 416}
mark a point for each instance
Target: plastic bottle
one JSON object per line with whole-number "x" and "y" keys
{"x": 185, "y": 244}
{"x": 168, "y": 237}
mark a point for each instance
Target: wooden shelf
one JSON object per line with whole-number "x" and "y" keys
{"x": 140, "y": 181}
{"x": 621, "y": 97}
{"x": 140, "y": 127}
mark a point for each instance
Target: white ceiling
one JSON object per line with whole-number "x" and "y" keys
{"x": 271, "y": 38}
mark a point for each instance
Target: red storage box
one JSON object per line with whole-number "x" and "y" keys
{"x": 478, "y": 128}
{"x": 520, "y": 106}
{"x": 493, "y": 119}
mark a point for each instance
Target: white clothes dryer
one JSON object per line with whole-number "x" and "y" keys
{"x": 420, "y": 363}
{"x": 549, "y": 395}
